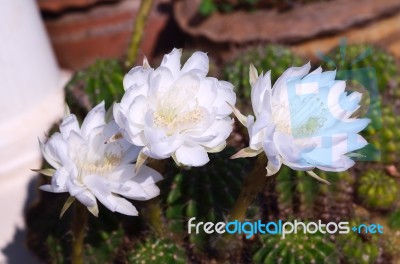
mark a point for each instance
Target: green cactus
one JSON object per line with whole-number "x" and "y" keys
{"x": 102, "y": 246}
{"x": 271, "y": 57}
{"x": 332, "y": 201}
{"x": 300, "y": 195}
{"x": 295, "y": 248}
{"x": 377, "y": 190}
{"x": 358, "y": 56}
{"x": 358, "y": 248}
{"x": 285, "y": 185}
{"x": 50, "y": 237}
{"x": 206, "y": 193}
{"x": 394, "y": 220}
{"x": 383, "y": 135}
{"x": 101, "y": 81}
{"x": 157, "y": 251}
{"x": 55, "y": 250}
{"x": 305, "y": 194}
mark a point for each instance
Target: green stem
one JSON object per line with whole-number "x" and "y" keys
{"x": 253, "y": 184}
{"x": 78, "y": 231}
{"x": 153, "y": 212}
{"x": 140, "y": 23}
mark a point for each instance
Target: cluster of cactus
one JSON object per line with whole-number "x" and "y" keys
{"x": 351, "y": 60}
{"x": 392, "y": 235}
{"x": 206, "y": 193}
{"x": 157, "y": 251}
{"x": 295, "y": 248}
{"x": 383, "y": 135}
{"x": 333, "y": 202}
{"x": 295, "y": 193}
{"x": 298, "y": 194}
{"x": 102, "y": 246}
{"x": 377, "y": 190}
{"x": 101, "y": 81}
{"x": 271, "y": 57}
{"x": 50, "y": 237}
{"x": 55, "y": 250}
{"x": 358, "y": 248}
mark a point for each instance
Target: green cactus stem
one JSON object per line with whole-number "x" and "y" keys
{"x": 154, "y": 251}
{"x": 377, "y": 190}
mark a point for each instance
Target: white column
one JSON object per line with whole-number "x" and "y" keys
{"x": 31, "y": 99}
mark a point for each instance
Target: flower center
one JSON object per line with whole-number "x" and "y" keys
{"x": 177, "y": 109}
{"x": 100, "y": 167}
{"x": 173, "y": 121}
{"x": 301, "y": 117}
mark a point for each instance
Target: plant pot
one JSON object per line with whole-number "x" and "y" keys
{"x": 60, "y": 5}
{"x": 298, "y": 24}
{"x": 102, "y": 32}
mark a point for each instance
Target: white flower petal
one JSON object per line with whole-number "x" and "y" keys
{"x": 74, "y": 188}
{"x": 316, "y": 71}
{"x": 59, "y": 179}
{"x": 152, "y": 191}
{"x": 217, "y": 133}
{"x": 49, "y": 188}
{"x": 146, "y": 176}
{"x": 159, "y": 82}
{"x": 273, "y": 166}
{"x": 226, "y": 97}
{"x": 87, "y": 199}
{"x": 95, "y": 118}
{"x": 118, "y": 204}
{"x": 55, "y": 151}
{"x": 129, "y": 189}
{"x": 160, "y": 146}
{"x": 70, "y": 123}
{"x": 130, "y": 155}
{"x": 279, "y": 88}
{"x": 191, "y": 155}
{"x": 101, "y": 188}
{"x": 123, "y": 206}
{"x": 288, "y": 149}
{"x": 172, "y": 61}
{"x": 257, "y": 131}
{"x": 258, "y": 92}
{"x": 208, "y": 92}
{"x": 342, "y": 164}
{"x": 137, "y": 76}
{"x": 197, "y": 64}
{"x": 137, "y": 110}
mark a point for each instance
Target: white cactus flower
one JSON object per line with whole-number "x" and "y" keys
{"x": 89, "y": 167}
{"x": 176, "y": 112}
{"x": 304, "y": 121}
